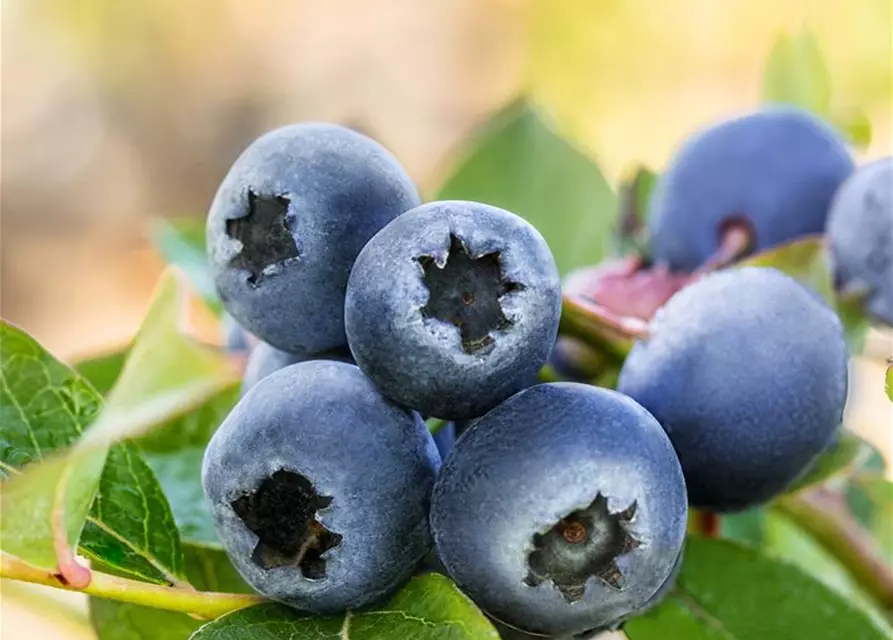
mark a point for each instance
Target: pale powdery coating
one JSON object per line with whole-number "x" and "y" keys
{"x": 400, "y": 332}
{"x": 860, "y": 237}
{"x": 265, "y": 359}
{"x": 538, "y": 457}
{"x": 374, "y": 461}
{"x": 318, "y": 192}
{"x": 747, "y": 372}
{"x": 777, "y": 168}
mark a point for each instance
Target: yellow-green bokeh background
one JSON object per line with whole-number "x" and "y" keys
{"x": 115, "y": 111}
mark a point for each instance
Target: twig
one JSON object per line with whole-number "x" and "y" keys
{"x": 205, "y": 604}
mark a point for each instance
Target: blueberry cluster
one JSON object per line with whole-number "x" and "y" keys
{"x": 560, "y": 508}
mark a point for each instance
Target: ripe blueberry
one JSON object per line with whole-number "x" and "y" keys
{"x": 287, "y": 223}
{"x": 747, "y": 372}
{"x": 860, "y": 237}
{"x": 265, "y": 359}
{"x": 453, "y": 307}
{"x": 562, "y": 510}
{"x": 773, "y": 171}
{"x": 319, "y": 487}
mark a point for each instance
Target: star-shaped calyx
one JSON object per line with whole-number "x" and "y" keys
{"x": 282, "y": 514}
{"x": 583, "y": 544}
{"x": 264, "y": 234}
{"x": 466, "y": 292}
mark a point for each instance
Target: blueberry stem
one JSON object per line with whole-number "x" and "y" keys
{"x": 736, "y": 242}
{"x": 823, "y": 514}
{"x": 203, "y": 604}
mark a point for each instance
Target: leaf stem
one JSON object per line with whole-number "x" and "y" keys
{"x": 823, "y": 514}
{"x": 205, "y": 604}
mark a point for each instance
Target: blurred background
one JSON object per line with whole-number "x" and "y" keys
{"x": 117, "y": 112}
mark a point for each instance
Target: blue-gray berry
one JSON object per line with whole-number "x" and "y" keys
{"x": 562, "y": 510}
{"x": 287, "y": 223}
{"x": 319, "y": 487}
{"x": 266, "y": 359}
{"x": 860, "y": 237}
{"x": 775, "y": 170}
{"x": 453, "y": 307}
{"x": 747, "y": 372}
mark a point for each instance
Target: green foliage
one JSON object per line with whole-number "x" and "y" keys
{"x": 519, "y": 163}
{"x": 847, "y": 453}
{"x": 796, "y": 73}
{"x": 428, "y": 608}
{"x": 207, "y": 569}
{"x": 728, "y": 591}
{"x": 129, "y": 525}
{"x": 182, "y": 244}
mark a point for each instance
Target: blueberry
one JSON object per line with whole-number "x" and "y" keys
{"x": 453, "y": 307}
{"x": 445, "y": 438}
{"x": 747, "y": 372}
{"x": 860, "y": 237}
{"x": 287, "y": 223}
{"x": 236, "y": 339}
{"x": 774, "y": 170}
{"x": 319, "y": 487}
{"x": 562, "y": 510}
{"x": 265, "y": 359}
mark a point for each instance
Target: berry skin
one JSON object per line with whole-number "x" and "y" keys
{"x": 562, "y": 510}
{"x": 265, "y": 359}
{"x": 860, "y": 237}
{"x": 453, "y": 307}
{"x": 747, "y": 372}
{"x": 287, "y": 223}
{"x": 776, "y": 170}
{"x": 319, "y": 488}
{"x": 236, "y": 339}
{"x": 445, "y": 438}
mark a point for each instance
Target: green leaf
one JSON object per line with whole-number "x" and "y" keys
{"x": 631, "y": 235}
{"x": 102, "y": 371}
{"x": 167, "y": 373}
{"x": 518, "y": 163}
{"x": 871, "y": 497}
{"x": 175, "y": 452}
{"x": 745, "y": 527}
{"x": 805, "y": 260}
{"x": 182, "y": 244}
{"x": 129, "y": 524}
{"x": 429, "y": 607}
{"x": 143, "y": 542}
{"x": 729, "y": 592}
{"x": 46, "y": 506}
{"x": 207, "y": 569}
{"x": 44, "y": 405}
{"x": 796, "y": 73}
{"x": 855, "y": 125}
{"x": 786, "y": 541}
{"x": 847, "y": 453}
{"x": 180, "y": 477}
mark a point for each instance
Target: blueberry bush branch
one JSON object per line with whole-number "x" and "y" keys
{"x": 205, "y": 604}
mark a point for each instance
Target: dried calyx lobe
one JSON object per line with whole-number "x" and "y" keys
{"x": 264, "y": 234}
{"x": 581, "y": 545}
{"x": 466, "y": 292}
{"x": 282, "y": 514}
